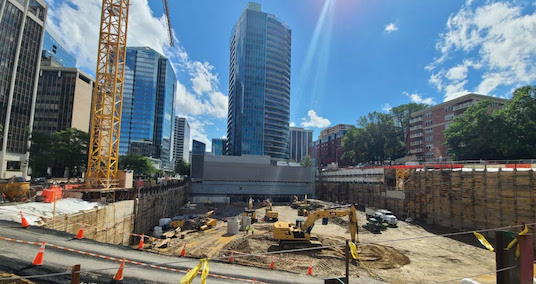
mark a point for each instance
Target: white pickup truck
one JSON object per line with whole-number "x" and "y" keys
{"x": 385, "y": 216}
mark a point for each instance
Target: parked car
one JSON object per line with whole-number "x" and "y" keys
{"x": 387, "y": 217}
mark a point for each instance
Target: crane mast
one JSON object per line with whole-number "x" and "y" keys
{"x": 108, "y": 95}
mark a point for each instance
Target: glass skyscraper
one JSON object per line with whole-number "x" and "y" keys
{"x": 259, "y": 85}
{"x": 148, "y": 98}
{"x": 21, "y": 35}
{"x": 53, "y": 50}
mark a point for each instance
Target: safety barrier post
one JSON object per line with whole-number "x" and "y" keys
{"x": 526, "y": 258}
{"x": 75, "y": 274}
{"x": 347, "y": 260}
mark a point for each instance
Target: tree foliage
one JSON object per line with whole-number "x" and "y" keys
{"x": 65, "y": 149}
{"x": 70, "y": 149}
{"x": 182, "y": 168}
{"x": 141, "y": 165}
{"x": 402, "y": 115}
{"x": 376, "y": 139}
{"x": 509, "y": 133}
{"x": 306, "y": 161}
{"x": 41, "y": 156}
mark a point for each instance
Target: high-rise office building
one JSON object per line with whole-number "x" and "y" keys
{"x": 218, "y": 146}
{"x": 181, "y": 140}
{"x": 21, "y": 36}
{"x": 259, "y": 85}
{"x": 63, "y": 100}
{"x": 198, "y": 159}
{"x": 54, "y": 51}
{"x": 300, "y": 142}
{"x": 148, "y": 98}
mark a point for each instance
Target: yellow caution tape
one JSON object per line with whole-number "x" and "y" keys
{"x": 353, "y": 250}
{"x": 514, "y": 241}
{"x": 204, "y": 274}
{"x": 189, "y": 277}
{"x": 524, "y": 231}
{"x": 483, "y": 241}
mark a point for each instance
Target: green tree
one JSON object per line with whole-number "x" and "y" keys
{"x": 483, "y": 132}
{"x": 70, "y": 150}
{"x": 306, "y": 161}
{"x": 519, "y": 114}
{"x": 376, "y": 139}
{"x": 41, "y": 156}
{"x": 402, "y": 116}
{"x": 182, "y": 168}
{"x": 141, "y": 165}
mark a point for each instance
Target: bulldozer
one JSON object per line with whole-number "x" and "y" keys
{"x": 250, "y": 211}
{"x": 269, "y": 213}
{"x": 298, "y": 235}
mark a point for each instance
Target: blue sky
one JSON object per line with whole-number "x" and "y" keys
{"x": 349, "y": 57}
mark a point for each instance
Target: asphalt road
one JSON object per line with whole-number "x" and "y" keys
{"x": 17, "y": 258}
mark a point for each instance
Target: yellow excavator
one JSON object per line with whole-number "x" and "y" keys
{"x": 298, "y": 235}
{"x": 269, "y": 213}
{"x": 250, "y": 211}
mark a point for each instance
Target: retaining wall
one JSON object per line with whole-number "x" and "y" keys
{"x": 460, "y": 199}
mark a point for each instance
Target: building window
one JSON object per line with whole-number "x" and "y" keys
{"x": 428, "y": 130}
{"x": 428, "y": 122}
{"x": 449, "y": 116}
{"x": 13, "y": 165}
{"x": 429, "y": 138}
{"x": 428, "y": 115}
{"x": 429, "y": 146}
{"x": 448, "y": 108}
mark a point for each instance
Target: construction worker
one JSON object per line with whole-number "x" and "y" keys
{"x": 247, "y": 229}
{"x": 252, "y": 231}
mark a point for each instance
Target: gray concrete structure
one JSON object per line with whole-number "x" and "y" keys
{"x": 240, "y": 177}
{"x": 300, "y": 141}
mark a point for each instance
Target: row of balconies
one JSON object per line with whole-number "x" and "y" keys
{"x": 462, "y": 106}
{"x": 415, "y": 119}
{"x": 414, "y": 143}
{"x": 415, "y": 135}
{"x": 416, "y": 127}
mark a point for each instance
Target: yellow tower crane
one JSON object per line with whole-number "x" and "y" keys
{"x": 103, "y": 156}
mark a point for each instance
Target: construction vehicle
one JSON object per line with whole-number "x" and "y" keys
{"x": 296, "y": 203}
{"x": 200, "y": 222}
{"x": 269, "y": 213}
{"x": 250, "y": 211}
{"x": 373, "y": 226}
{"x": 298, "y": 235}
{"x": 15, "y": 189}
{"x": 304, "y": 210}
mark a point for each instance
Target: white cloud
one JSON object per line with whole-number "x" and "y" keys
{"x": 76, "y": 23}
{"x": 386, "y": 107}
{"x": 292, "y": 124}
{"x": 314, "y": 120}
{"x": 391, "y": 28}
{"x": 457, "y": 73}
{"x": 416, "y": 98}
{"x": 187, "y": 103}
{"x": 497, "y": 37}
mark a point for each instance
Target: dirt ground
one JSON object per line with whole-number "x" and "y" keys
{"x": 380, "y": 256}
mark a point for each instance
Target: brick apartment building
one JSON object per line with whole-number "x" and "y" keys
{"x": 427, "y": 127}
{"x": 328, "y": 148}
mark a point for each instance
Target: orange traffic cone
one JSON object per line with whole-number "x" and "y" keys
{"x": 231, "y": 258}
{"x": 310, "y": 270}
{"x": 38, "y": 260}
{"x": 183, "y": 251}
{"x": 80, "y": 234}
{"x": 272, "y": 264}
{"x": 119, "y": 274}
{"x": 140, "y": 245}
{"x": 23, "y": 222}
